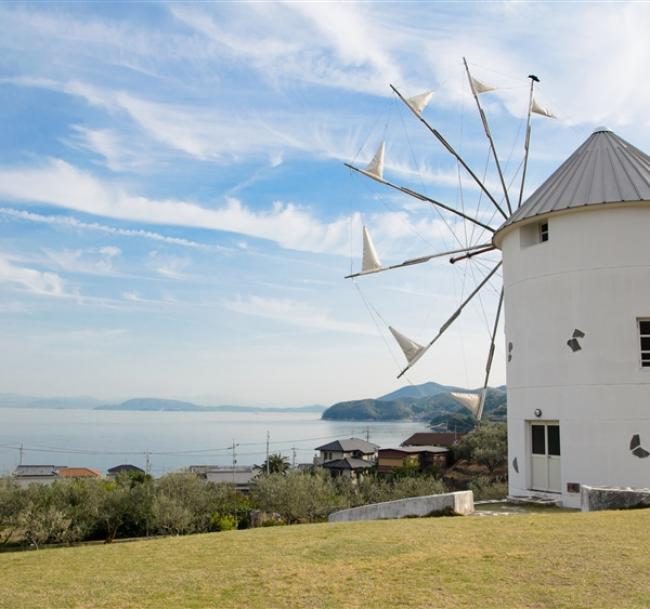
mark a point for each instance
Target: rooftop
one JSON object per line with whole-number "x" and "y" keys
{"x": 604, "y": 169}
{"x": 36, "y": 470}
{"x": 347, "y": 463}
{"x": 432, "y": 438}
{"x": 349, "y": 445}
{"x": 417, "y": 449}
{"x": 125, "y": 467}
{"x": 79, "y": 472}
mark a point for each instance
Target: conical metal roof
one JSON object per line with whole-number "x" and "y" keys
{"x": 605, "y": 169}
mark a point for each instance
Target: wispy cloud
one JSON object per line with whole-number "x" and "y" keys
{"x": 119, "y": 153}
{"x": 290, "y": 225}
{"x": 94, "y": 226}
{"x": 34, "y": 281}
{"x": 90, "y": 261}
{"x": 170, "y": 267}
{"x": 295, "y": 313}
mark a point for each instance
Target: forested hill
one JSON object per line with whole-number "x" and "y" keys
{"x": 430, "y": 402}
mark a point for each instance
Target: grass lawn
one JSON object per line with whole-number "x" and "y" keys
{"x": 570, "y": 560}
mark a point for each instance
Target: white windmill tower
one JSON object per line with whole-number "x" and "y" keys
{"x": 576, "y": 265}
{"x": 576, "y": 268}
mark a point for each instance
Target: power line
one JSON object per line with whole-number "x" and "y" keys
{"x": 21, "y": 448}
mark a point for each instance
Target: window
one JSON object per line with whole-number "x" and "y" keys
{"x": 644, "y": 342}
{"x": 533, "y": 233}
{"x": 543, "y": 231}
{"x": 539, "y": 439}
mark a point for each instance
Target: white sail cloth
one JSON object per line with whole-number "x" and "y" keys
{"x": 479, "y": 86}
{"x": 471, "y": 401}
{"x": 410, "y": 348}
{"x": 370, "y": 261}
{"x": 376, "y": 167}
{"x": 419, "y": 102}
{"x": 537, "y": 108}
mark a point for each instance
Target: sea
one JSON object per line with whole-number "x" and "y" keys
{"x": 171, "y": 441}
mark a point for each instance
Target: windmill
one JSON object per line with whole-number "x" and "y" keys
{"x": 576, "y": 304}
{"x": 371, "y": 263}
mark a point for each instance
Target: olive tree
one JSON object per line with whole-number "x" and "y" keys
{"x": 296, "y": 496}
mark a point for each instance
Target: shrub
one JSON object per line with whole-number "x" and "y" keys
{"x": 486, "y": 444}
{"x": 485, "y": 487}
{"x": 296, "y": 496}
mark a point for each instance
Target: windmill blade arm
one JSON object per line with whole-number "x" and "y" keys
{"x": 451, "y": 151}
{"x": 488, "y": 365}
{"x": 468, "y": 255}
{"x": 451, "y": 319}
{"x": 488, "y": 134}
{"x": 420, "y": 260}
{"x": 421, "y": 197}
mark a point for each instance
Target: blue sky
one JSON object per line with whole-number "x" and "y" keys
{"x": 175, "y": 216}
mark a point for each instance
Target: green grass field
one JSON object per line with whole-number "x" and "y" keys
{"x": 570, "y": 560}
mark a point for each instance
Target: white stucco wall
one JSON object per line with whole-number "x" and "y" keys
{"x": 592, "y": 274}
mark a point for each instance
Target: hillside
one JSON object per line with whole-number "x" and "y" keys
{"x": 560, "y": 561}
{"x": 430, "y": 402}
{"x": 429, "y": 389}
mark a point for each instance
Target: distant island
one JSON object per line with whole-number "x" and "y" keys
{"x": 430, "y": 402}
{"x": 14, "y": 400}
{"x": 161, "y": 405}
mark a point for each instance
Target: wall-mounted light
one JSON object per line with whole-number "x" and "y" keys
{"x": 538, "y": 412}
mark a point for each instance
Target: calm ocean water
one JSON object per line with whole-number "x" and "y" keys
{"x": 102, "y": 439}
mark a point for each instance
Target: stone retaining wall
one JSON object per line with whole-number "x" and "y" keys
{"x": 461, "y": 503}
{"x": 593, "y": 498}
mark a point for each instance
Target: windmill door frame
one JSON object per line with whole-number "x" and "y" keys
{"x": 545, "y": 457}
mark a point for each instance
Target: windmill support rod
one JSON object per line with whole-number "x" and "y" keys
{"x": 488, "y": 365}
{"x": 533, "y": 80}
{"x": 451, "y": 151}
{"x": 420, "y": 260}
{"x": 488, "y": 134}
{"x": 451, "y": 319}
{"x": 421, "y": 197}
{"x": 471, "y": 254}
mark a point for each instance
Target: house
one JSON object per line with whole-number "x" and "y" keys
{"x": 433, "y": 438}
{"x": 424, "y": 457}
{"x": 36, "y": 474}
{"x": 349, "y": 467}
{"x": 79, "y": 473}
{"x": 240, "y": 475}
{"x": 576, "y": 276}
{"x": 351, "y": 448}
{"x": 113, "y": 472}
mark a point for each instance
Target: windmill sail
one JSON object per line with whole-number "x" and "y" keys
{"x": 370, "y": 260}
{"x": 471, "y": 401}
{"x": 410, "y": 348}
{"x": 419, "y": 102}
{"x": 537, "y": 108}
{"x": 376, "y": 167}
{"x": 480, "y": 87}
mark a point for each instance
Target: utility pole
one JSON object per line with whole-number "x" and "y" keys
{"x": 367, "y": 434}
{"x": 293, "y": 460}
{"x": 268, "y": 440}
{"x": 20, "y": 454}
{"x": 147, "y": 466}
{"x": 234, "y": 459}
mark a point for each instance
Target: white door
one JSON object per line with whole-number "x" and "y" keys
{"x": 545, "y": 457}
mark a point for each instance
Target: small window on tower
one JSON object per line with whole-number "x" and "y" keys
{"x": 543, "y": 231}
{"x": 644, "y": 339}
{"x": 533, "y": 233}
